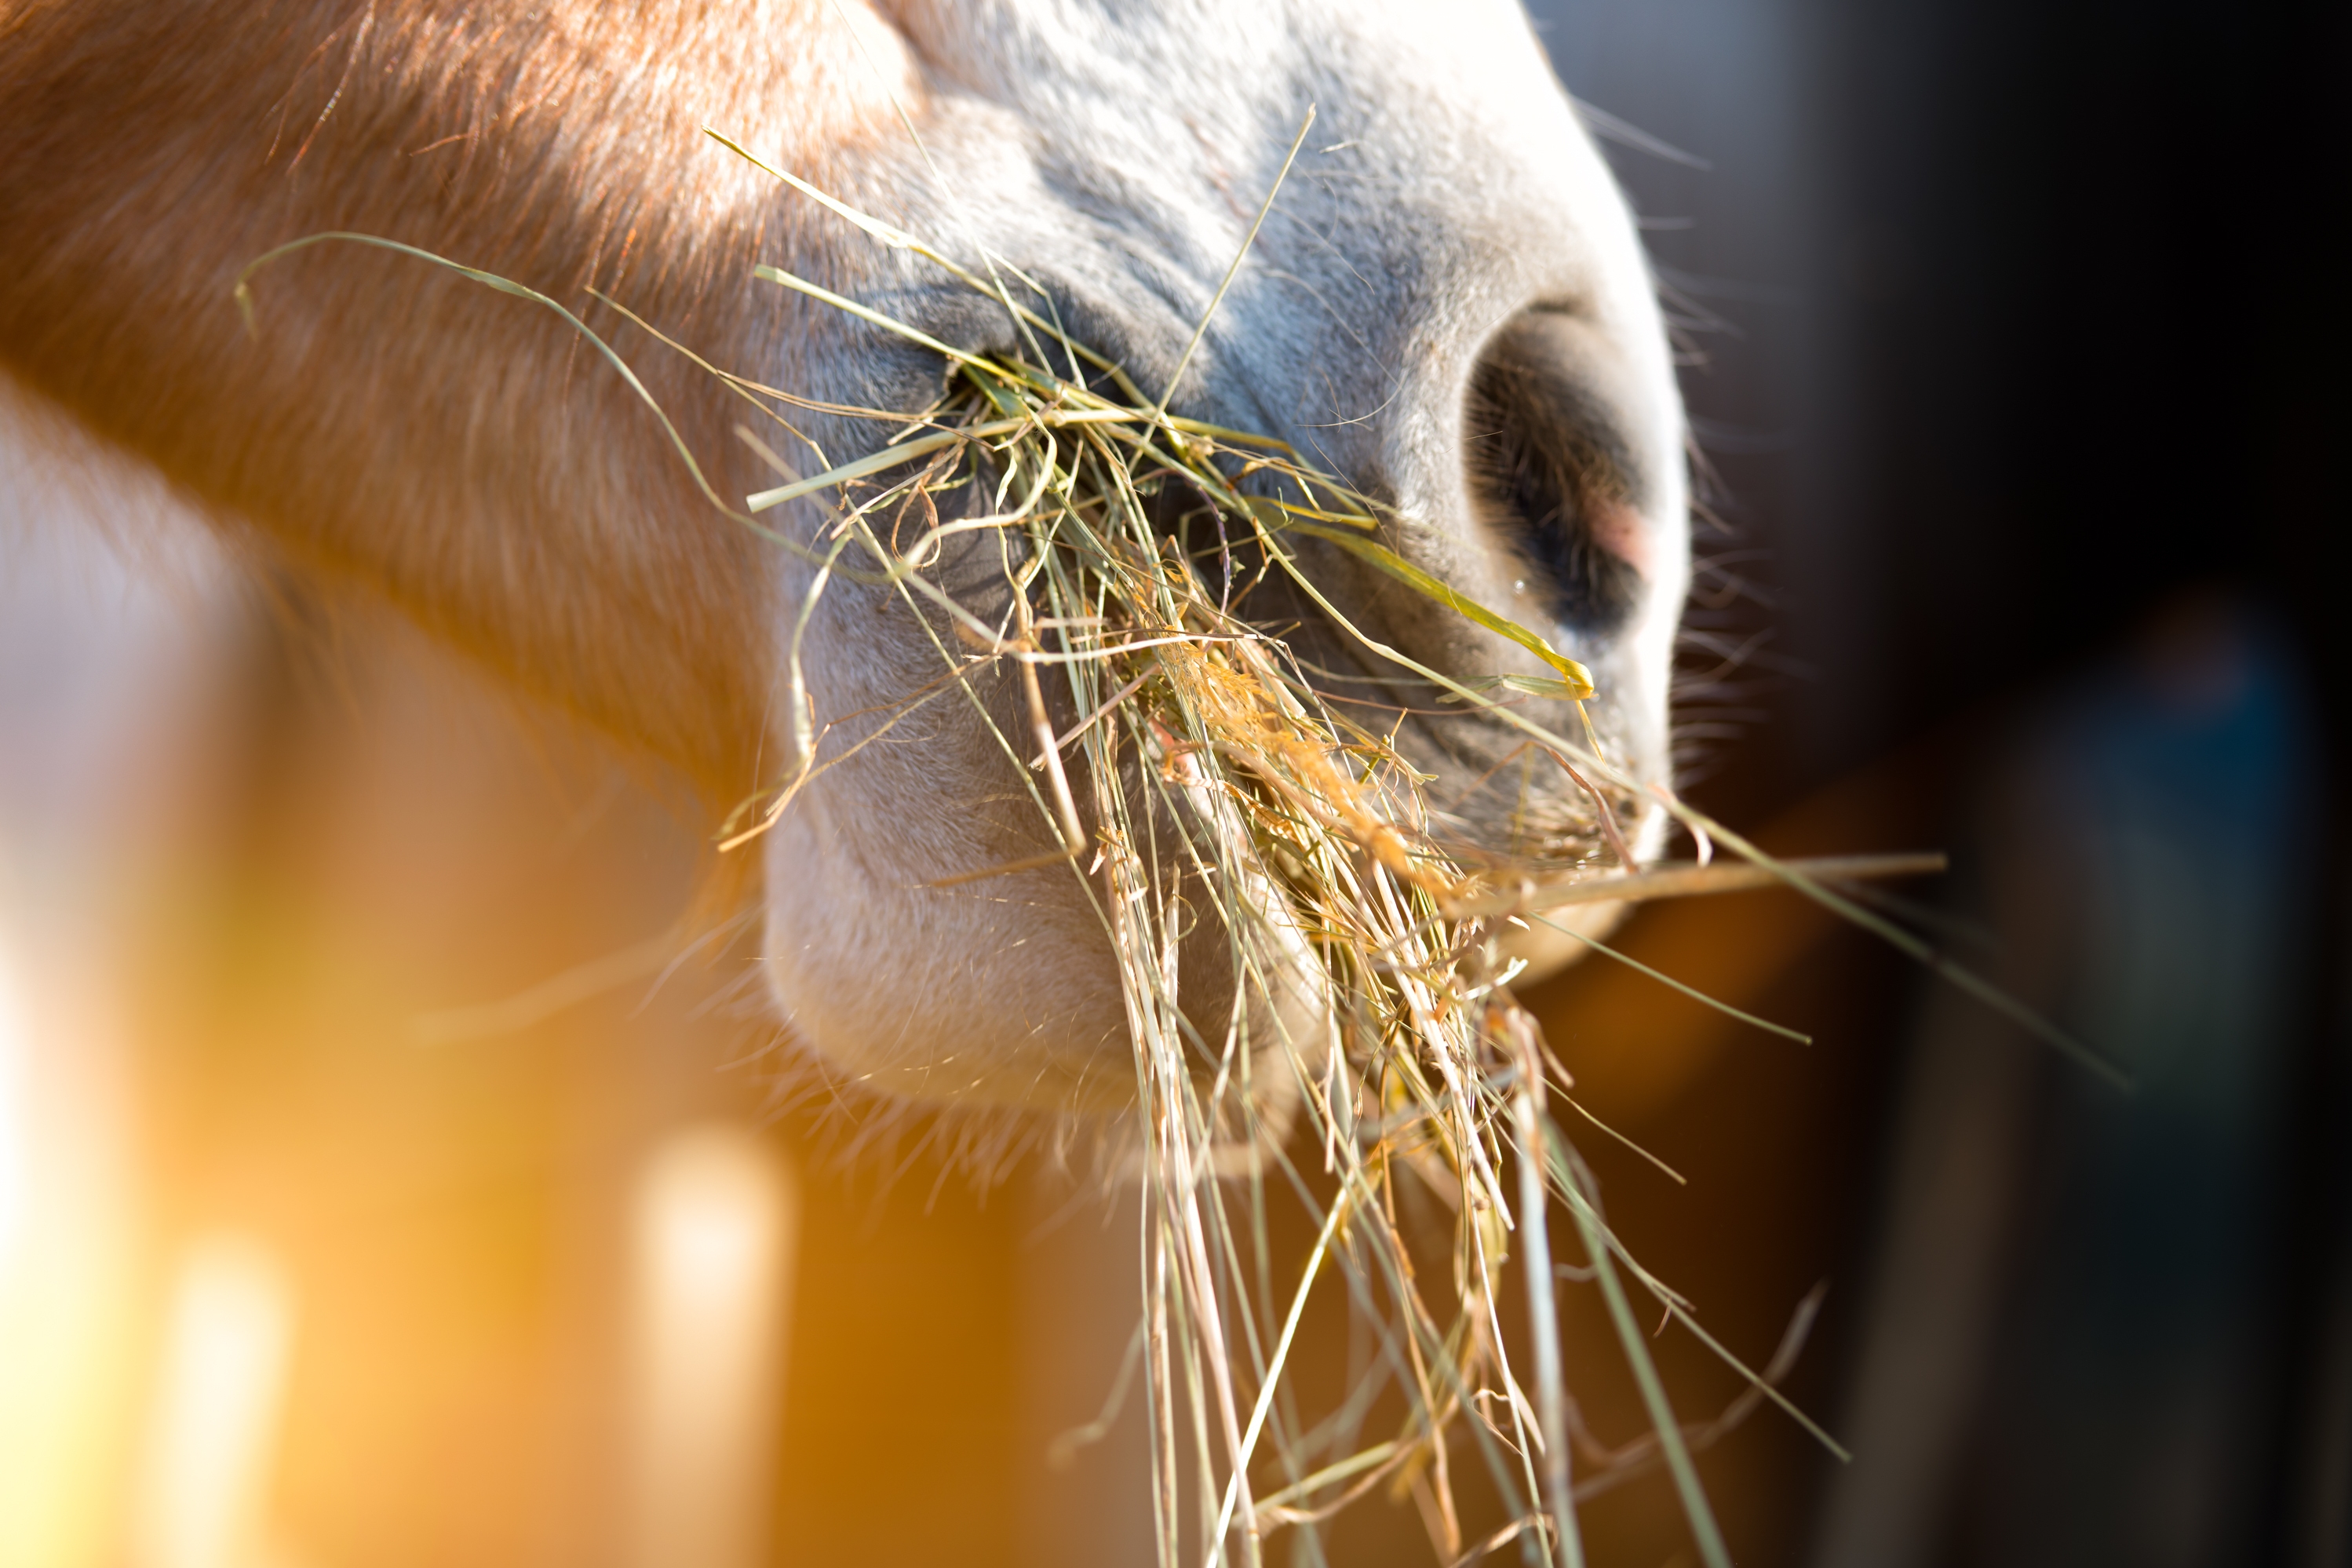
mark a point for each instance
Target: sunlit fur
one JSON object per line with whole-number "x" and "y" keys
{"x": 459, "y": 453}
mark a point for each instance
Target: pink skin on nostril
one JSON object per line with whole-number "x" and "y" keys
{"x": 1618, "y": 529}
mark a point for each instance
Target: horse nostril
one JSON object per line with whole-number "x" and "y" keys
{"x": 1550, "y": 471}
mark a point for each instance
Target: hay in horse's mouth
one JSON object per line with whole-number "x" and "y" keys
{"x": 1372, "y": 1025}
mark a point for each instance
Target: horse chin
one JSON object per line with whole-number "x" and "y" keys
{"x": 1004, "y": 993}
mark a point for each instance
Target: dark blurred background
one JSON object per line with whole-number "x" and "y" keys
{"x": 2013, "y": 362}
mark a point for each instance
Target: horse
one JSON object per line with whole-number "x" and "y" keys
{"x": 1445, "y": 305}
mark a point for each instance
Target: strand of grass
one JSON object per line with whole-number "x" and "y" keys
{"x": 1424, "y": 1009}
{"x": 1084, "y": 681}
{"x": 898, "y": 238}
{"x": 1281, "y": 1357}
{"x": 1705, "y": 1532}
{"x": 912, "y": 582}
{"x": 1693, "y": 992}
{"x": 906, "y": 449}
{"x": 987, "y": 373}
{"x": 1065, "y": 1446}
{"x": 731, "y": 838}
{"x": 1534, "y": 1450}
{"x": 1427, "y": 1414}
{"x": 919, "y": 552}
{"x": 1220, "y": 1359}
{"x": 1235, "y": 1053}
{"x": 1172, "y": 1289}
{"x": 1573, "y": 676}
{"x": 1175, "y": 1221}
{"x": 1426, "y": 1410}
{"x": 1354, "y": 1464}
{"x": 769, "y": 456}
{"x": 752, "y": 391}
{"x": 907, "y": 585}
{"x": 1483, "y": 1257}
{"x": 1683, "y": 880}
{"x": 1311, "y": 513}
{"x": 1102, "y": 711}
{"x": 1670, "y": 1173}
{"x": 243, "y": 297}
{"x": 872, "y": 463}
{"x": 1479, "y": 1551}
{"x": 1383, "y": 1241}
{"x": 1242, "y": 1306}
{"x": 1543, "y": 1310}
{"x": 1369, "y": 1467}
{"x": 1168, "y": 1497}
{"x": 1184, "y": 359}
{"x": 1237, "y": 1306}
{"x": 1307, "y": 1552}
{"x": 1418, "y": 1322}
{"x": 1151, "y": 1263}
{"x": 1632, "y": 1459}
{"x": 1040, "y": 724}
{"x": 1338, "y": 1431}
{"x": 1959, "y": 975}
{"x": 1678, "y": 1309}
{"x": 1194, "y": 1341}
{"x": 802, "y": 737}
{"x": 802, "y": 722}
{"x": 749, "y": 391}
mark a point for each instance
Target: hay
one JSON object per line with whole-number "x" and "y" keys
{"x": 1376, "y": 1030}
{"x": 1313, "y": 837}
